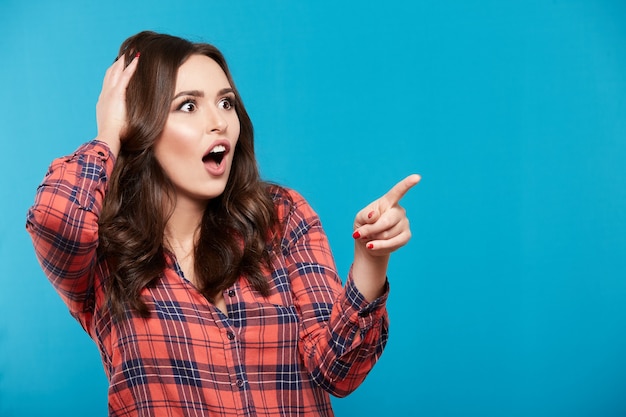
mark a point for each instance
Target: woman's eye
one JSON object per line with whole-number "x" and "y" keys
{"x": 187, "y": 106}
{"x": 226, "y": 103}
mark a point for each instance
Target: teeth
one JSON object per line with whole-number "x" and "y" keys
{"x": 218, "y": 148}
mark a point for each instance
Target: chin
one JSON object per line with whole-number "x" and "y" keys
{"x": 215, "y": 192}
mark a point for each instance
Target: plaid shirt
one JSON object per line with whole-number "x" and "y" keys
{"x": 276, "y": 356}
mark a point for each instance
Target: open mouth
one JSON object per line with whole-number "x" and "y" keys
{"x": 216, "y": 155}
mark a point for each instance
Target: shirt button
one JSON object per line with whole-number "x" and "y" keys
{"x": 100, "y": 153}
{"x": 231, "y": 293}
{"x": 230, "y": 335}
{"x": 240, "y": 383}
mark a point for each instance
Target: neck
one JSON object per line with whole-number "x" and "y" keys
{"x": 183, "y": 226}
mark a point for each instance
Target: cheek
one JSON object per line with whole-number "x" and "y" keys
{"x": 180, "y": 134}
{"x": 236, "y": 135}
{"x": 235, "y": 129}
{"x": 176, "y": 139}
{"x": 172, "y": 151}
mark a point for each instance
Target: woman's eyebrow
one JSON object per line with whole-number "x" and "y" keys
{"x": 199, "y": 93}
{"x": 193, "y": 93}
{"x": 225, "y": 91}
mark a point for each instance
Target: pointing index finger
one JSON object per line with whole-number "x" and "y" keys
{"x": 395, "y": 194}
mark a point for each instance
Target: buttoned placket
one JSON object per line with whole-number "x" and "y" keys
{"x": 233, "y": 349}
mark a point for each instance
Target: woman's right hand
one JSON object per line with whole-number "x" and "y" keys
{"x": 111, "y": 106}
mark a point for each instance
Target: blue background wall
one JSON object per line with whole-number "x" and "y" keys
{"x": 511, "y": 298}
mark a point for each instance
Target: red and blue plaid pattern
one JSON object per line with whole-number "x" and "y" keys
{"x": 276, "y": 356}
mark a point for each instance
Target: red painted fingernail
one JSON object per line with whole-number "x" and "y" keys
{"x": 370, "y": 246}
{"x": 370, "y": 214}
{"x": 138, "y": 55}
{"x": 356, "y": 234}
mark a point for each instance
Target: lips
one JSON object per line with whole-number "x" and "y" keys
{"x": 214, "y": 157}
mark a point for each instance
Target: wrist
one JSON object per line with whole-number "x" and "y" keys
{"x": 369, "y": 272}
{"x": 113, "y": 144}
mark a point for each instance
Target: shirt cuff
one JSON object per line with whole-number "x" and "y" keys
{"x": 97, "y": 148}
{"x": 357, "y": 302}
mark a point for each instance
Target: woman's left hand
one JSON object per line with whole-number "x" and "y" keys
{"x": 382, "y": 226}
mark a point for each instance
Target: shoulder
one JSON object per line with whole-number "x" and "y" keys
{"x": 289, "y": 202}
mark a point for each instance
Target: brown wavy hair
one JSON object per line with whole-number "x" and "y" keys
{"x": 235, "y": 236}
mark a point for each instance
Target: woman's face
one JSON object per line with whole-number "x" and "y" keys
{"x": 198, "y": 142}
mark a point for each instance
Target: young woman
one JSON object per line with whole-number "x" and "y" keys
{"x": 207, "y": 290}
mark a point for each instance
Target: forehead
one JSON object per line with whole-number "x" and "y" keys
{"x": 201, "y": 72}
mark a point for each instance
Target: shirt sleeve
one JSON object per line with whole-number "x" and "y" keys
{"x": 63, "y": 224}
{"x": 341, "y": 334}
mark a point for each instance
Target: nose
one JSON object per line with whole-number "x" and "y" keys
{"x": 216, "y": 122}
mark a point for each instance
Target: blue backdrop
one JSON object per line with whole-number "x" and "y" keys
{"x": 510, "y": 300}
